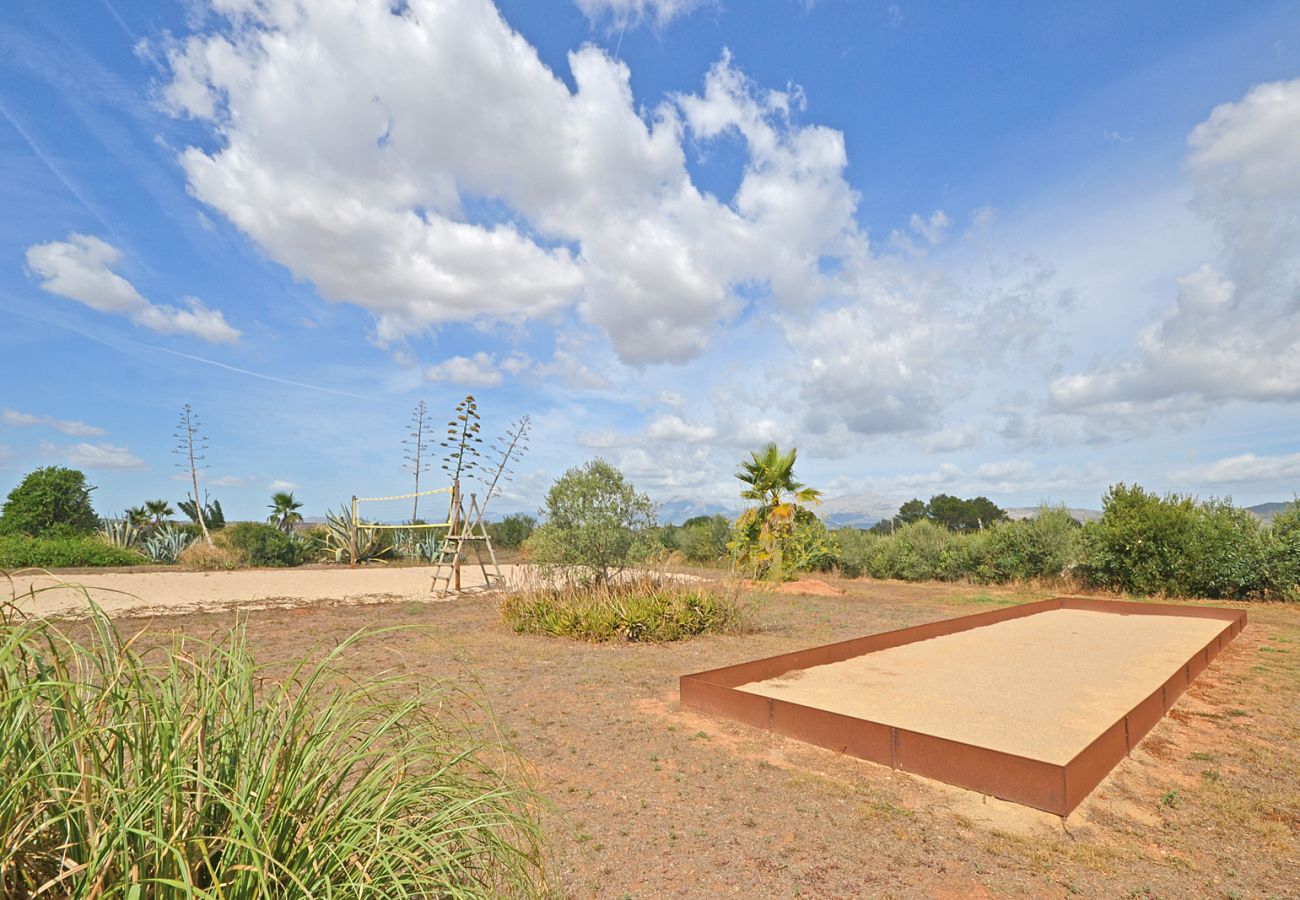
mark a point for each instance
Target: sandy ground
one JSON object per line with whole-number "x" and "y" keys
{"x": 1043, "y": 686}
{"x": 187, "y": 592}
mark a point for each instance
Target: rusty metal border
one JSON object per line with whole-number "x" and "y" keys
{"x": 1047, "y": 786}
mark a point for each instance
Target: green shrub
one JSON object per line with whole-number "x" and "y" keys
{"x": 50, "y": 502}
{"x": 596, "y": 522}
{"x": 1141, "y": 543}
{"x": 920, "y": 551}
{"x": 512, "y": 530}
{"x": 1044, "y": 546}
{"x": 19, "y": 551}
{"x": 646, "y": 608}
{"x": 1284, "y": 553}
{"x": 193, "y": 771}
{"x": 1227, "y": 554}
{"x": 263, "y": 545}
{"x": 703, "y": 539}
{"x": 855, "y": 547}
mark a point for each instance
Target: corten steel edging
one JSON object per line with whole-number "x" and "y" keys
{"x": 1048, "y": 786}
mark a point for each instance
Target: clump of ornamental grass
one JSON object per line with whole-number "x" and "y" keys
{"x": 188, "y": 770}
{"x": 641, "y": 607}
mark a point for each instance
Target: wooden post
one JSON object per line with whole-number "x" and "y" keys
{"x": 455, "y": 522}
{"x": 352, "y": 538}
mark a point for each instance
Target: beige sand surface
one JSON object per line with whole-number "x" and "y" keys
{"x": 180, "y": 592}
{"x": 1043, "y": 686}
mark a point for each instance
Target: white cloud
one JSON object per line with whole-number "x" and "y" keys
{"x": 1233, "y": 331}
{"x": 601, "y": 439}
{"x": 95, "y": 456}
{"x": 281, "y": 485}
{"x": 81, "y": 269}
{"x": 478, "y": 370}
{"x": 950, "y": 439}
{"x": 934, "y": 229}
{"x": 633, "y": 12}
{"x": 588, "y": 199}
{"x": 1245, "y": 468}
{"x": 222, "y": 480}
{"x": 673, "y": 429}
{"x": 67, "y": 426}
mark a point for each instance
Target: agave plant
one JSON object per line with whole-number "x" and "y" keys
{"x": 416, "y": 544}
{"x": 166, "y": 544}
{"x": 372, "y": 543}
{"x": 120, "y": 533}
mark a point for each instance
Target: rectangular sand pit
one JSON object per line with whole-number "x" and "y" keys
{"x": 1034, "y": 703}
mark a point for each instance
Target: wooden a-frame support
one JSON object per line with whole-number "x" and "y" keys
{"x": 465, "y": 529}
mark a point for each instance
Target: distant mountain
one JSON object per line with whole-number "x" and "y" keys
{"x": 856, "y": 510}
{"x": 1266, "y": 511}
{"x": 1029, "y": 512}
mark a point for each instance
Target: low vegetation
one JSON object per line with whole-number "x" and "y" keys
{"x": 19, "y": 551}
{"x": 650, "y": 607}
{"x": 193, "y": 770}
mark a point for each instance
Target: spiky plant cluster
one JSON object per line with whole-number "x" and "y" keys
{"x": 463, "y": 458}
{"x": 190, "y": 446}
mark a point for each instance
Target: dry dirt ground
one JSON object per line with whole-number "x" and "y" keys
{"x": 646, "y": 799}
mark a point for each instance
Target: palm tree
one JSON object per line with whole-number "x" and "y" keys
{"x": 158, "y": 511}
{"x": 137, "y": 516}
{"x": 770, "y": 476}
{"x": 284, "y": 510}
{"x": 766, "y": 539}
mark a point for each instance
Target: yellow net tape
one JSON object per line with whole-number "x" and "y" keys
{"x": 362, "y": 526}
{"x": 445, "y": 490}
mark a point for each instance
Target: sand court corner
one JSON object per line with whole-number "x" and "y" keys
{"x": 1033, "y": 703}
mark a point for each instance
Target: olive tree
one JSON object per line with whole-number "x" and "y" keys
{"x": 595, "y": 523}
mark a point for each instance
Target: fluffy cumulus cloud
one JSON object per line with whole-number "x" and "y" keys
{"x": 453, "y": 180}
{"x": 72, "y": 427}
{"x": 81, "y": 269}
{"x": 1233, "y": 330}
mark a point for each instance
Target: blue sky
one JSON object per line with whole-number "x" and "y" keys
{"x": 1022, "y": 250}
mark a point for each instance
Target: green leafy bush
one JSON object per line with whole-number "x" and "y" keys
{"x": 920, "y": 551}
{"x": 855, "y": 547}
{"x": 647, "y": 608}
{"x": 1141, "y": 543}
{"x": 512, "y": 530}
{"x": 596, "y": 522}
{"x": 1284, "y": 553}
{"x": 50, "y": 502}
{"x": 263, "y": 545}
{"x": 1044, "y": 546}
{"x": 20, "y": 551}
{"x": 1227, "y": 554}
{"x": 192, "y": 771}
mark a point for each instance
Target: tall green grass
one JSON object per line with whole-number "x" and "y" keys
{"x": 645, "y": 607}
{"x": 189, "y": 770}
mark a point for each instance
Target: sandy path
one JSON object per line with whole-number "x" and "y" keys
{"x": 182, "y": 592}
{"x": 1043, "y": 686}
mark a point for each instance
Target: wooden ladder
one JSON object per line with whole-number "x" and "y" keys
{"x": 472, "y": 531}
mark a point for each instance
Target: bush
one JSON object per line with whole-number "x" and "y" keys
{"x": 50, "y": 502}
{"x": 595, "y": 522}
{"x": 920, "y": 551}
{"x": 193, "y": 771}
{"x": 1045, "y": 546}
{"x": 646, "y": 608}
{"x": 1227, "y": 554}
{"x": 1284, "y": 553}
{"x": 19, "y": 551}
{"x": 855, "y": 547}
{"x": 1140, "y": 544}
{"x": 703, "y": 539}
{"x": 206, "y": 557}
{"x": 512, "y": 531}
{"x": 263, "y": 545}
